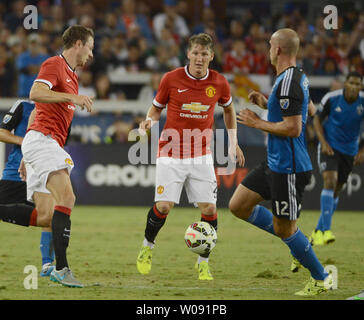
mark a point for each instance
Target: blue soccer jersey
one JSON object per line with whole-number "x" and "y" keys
{"x": 16, "y": 119}
{"x": 289, "y": 97}
{"x": 342, "y": 127}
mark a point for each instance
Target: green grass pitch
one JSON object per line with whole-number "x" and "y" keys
{"x": 246, "y": 263}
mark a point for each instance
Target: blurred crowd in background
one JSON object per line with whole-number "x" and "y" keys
{"x": 151, "y": 36}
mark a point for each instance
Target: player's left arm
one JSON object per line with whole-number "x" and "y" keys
{"x": 230, "y": 124}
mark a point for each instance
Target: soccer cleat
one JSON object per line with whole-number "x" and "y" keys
{"x": 65, "y": 278}
{"x": 328, "y": 237}
{"x": 47, "y": 268}
{"x": 203, "y": 271}
{"x": 144, "y": 260}
{"x": 315, "y": 287}
{"x": 295, "y": 265}
{"x": 316, "y": 238}
{"x": 359, "y": 296}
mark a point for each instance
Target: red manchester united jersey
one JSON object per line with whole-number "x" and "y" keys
{"x": 55, "y": 118}
{"x": 190, "y": 111}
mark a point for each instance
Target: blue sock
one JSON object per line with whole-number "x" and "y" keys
{"x": 336, "y": 202}
{"x": 262, "y": 218}
{"x": 320, "y": 224}
{"x": 46, "y": 247}
{"x": 301, "y": 249}
{"x": 327, "y": 210}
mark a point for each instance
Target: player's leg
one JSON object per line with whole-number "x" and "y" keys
{"x": 59, "y": 184}
{"x": 201, "y": 190}
{"x": 168, "y": 188}
{"x": 329, "y": 169}
{"x": 45, "y": 204}
{"x": 244, "y": 202}
{"x": 287, "y": 191}
{"x": 155, "y": 220}
{"x": 13, "y": 207}
{"x": 209, "y": 215}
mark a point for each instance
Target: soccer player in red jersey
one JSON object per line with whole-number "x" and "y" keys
{"x": 191, "y": 93}
{"x": 47, "y": 165}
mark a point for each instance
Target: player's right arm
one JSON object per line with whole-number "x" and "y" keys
{"x": 41, "y": 92}
{"x": 319, "y": 130}
{"x": 153, "y": 115}
{"x": 159, "y": 103}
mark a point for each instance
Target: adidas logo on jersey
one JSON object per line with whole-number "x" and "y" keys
{"x": 338, "y": 109}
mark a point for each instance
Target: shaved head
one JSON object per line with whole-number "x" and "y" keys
{"x": 287, "y": 40}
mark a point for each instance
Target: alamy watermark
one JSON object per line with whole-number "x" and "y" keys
{"x": 331, "y": 20}
{"x": 31, "y": 280}
{"x": 191, "y": 144}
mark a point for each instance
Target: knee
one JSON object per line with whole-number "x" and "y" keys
{"x": 239, "y": 211}
{"x": 209, "y": 209}
{"x": 330, "y": 183}
{"x": 69, "y": 199}
{"x": 283, "y": 231}
{"x": 164, "y": 207}
{"x": 44, "y": 218}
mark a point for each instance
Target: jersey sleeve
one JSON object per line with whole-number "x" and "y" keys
{"x": 13, "y": 117}
{"x": 162, "y": 96}
{"x": 324, "y": 108}
{"x": 226, "y": 98}
{"x": 49, "y": 73}
{"x": 290, "y": 94}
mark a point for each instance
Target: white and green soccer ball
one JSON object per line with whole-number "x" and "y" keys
{"x": 200, "y": 237}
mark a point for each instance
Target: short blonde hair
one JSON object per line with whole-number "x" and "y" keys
{"x": 202, "y": 39}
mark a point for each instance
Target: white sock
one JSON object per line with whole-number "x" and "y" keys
{"x": 200, "y": 259}
{"x": 147, "y": 243}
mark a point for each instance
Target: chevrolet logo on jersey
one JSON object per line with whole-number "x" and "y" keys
{"x": 195, "y": 107}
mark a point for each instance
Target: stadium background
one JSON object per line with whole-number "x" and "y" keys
{"x": 137, "y": 41}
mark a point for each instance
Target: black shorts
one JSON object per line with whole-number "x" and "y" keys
{"x": 339, "y": 162}
{"x": 284, "y": 190}
{"x": 13, "y": 192}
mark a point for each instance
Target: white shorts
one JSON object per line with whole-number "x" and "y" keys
{"x": 42, "y": 155}
{"x": 196, "y": 174}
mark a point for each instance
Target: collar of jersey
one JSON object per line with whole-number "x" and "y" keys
{"x": 69, "y": 67}
{"x": 285, "y": 70}
{"x": 194, "y": 78}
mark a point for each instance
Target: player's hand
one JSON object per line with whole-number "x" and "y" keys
{"x": 145, "y": 125}
{"x": 326, "y": 149}
{"x": 359, "y": 158}
{"x": 248, "y": 118}
{"x": 22, "y": 170}
{"x": 83, "y": 102}
{"x": 240, "y": 156}
{"x": 258, "y": 98}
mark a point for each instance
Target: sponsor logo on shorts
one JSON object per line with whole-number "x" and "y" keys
{"x": 69, "y": 161}
{"x": 160, "y": 189}
{"x": 210, "y": 91}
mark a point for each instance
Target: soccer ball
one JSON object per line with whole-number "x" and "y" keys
{"x": 200, "y": 237}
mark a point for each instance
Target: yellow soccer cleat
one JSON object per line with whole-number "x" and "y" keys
{"x": 315, "y": 287}
{"x": 144, "y": 260}
{"x": 295, "y": 265}
{"x": 328, "y": 237}
{"x": 317, "y": 238}
{"x": 203, "y": 271}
